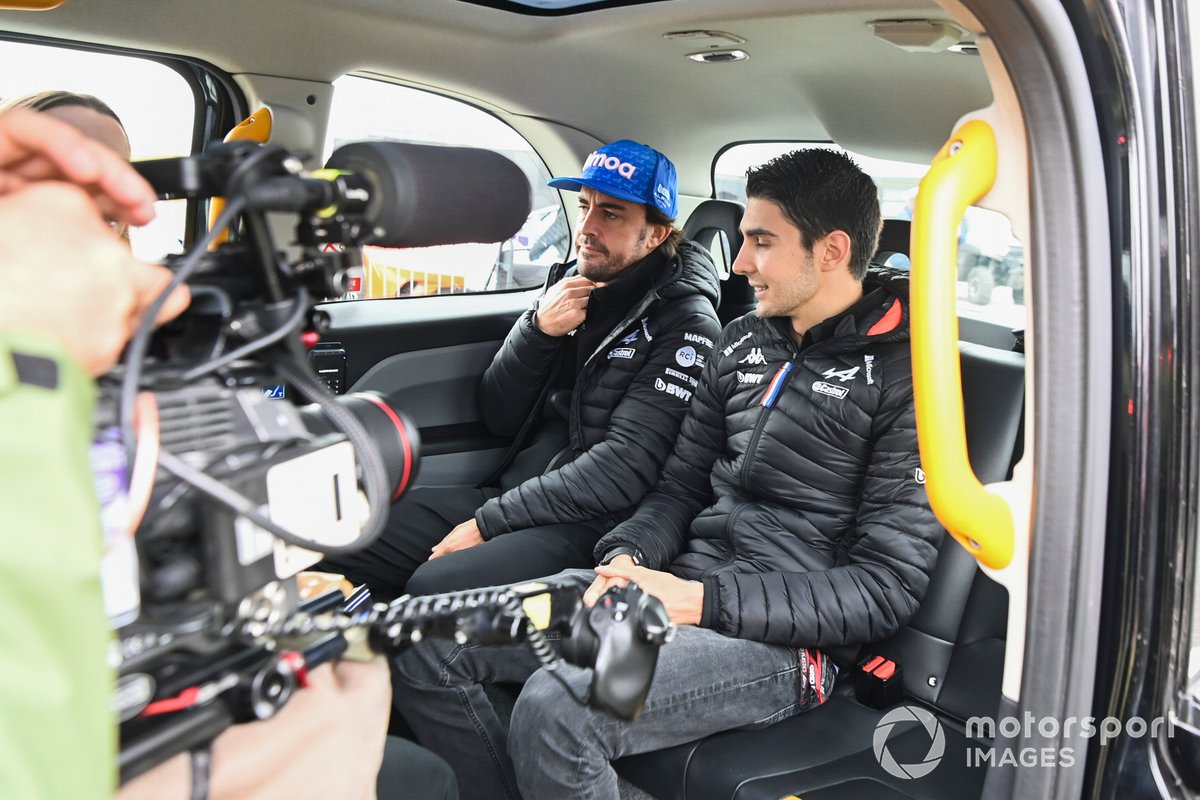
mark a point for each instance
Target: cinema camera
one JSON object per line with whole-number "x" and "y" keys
{"x": 233, "y": 489}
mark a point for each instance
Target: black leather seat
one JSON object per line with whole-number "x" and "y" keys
{"x": 952, "y": 655}
{"x": 714, "y": 223}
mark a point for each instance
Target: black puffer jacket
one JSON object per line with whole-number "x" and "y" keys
{"x": 795, "y": 493}
{"x": 629, "y": 398}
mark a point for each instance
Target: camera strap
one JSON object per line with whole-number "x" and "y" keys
{"x": 201, "y": 759}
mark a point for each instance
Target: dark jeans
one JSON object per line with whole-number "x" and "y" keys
{"x": 555, "y": 748}
{"x": 410, "y": 772}
{"x": 398, "y": 561}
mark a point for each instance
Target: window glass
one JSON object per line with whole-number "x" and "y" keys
{"x": 155, "y": 104}
{"x": 372, "y": 109}
{"x": 990, "y": 258}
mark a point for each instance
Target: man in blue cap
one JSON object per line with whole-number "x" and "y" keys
{"x": 592, "y": 383}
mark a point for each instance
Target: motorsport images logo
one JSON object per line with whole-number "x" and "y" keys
{"x": 936, "y": 739}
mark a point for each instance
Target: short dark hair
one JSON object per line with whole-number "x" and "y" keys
{"x": 44, "y": 101}
{"x": 819, "y": 191}
{"x": 670, "y": 245}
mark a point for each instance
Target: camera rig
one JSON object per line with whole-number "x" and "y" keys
{"x": 233, "y": 489}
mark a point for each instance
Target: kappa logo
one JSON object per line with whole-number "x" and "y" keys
{"x": 842, "y": 375}
{"x": 612, "y": 163}
{"x": 685, "y": 356}
{"x": 821, "y": 387}
{"x": 683, "y": 376}
{"x": 754, "y": 358}
{"x": 869, "y": 363}
{"x": 728, "y": 351}
{"x": 631, "y": 338}
{"x": 621, "y": 352}
{"x": 750, "y": 377}
{"x": 698, "y": 339}
{"x": 671, "y": 389}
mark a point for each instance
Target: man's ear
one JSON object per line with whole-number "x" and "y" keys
{"x": 833, "y": 251}
{"x": 658, "y": 234}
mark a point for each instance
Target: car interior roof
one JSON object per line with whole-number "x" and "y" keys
{"x": 815, "y": 72}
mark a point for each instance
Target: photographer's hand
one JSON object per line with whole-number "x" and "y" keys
{"x": 684, "y": 600}
{"x": 564, "y": 306}
{"x": 35, "y": 147}
{"x": 462, "y": 537}
{"x": 69, "y": 277}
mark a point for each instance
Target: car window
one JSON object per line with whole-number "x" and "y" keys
{"x": 364, "y": 108}
{"x": 990, "y": 258}
{"x": 156, "y": 106}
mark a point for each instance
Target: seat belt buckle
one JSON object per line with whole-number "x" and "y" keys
{"x": 878, "y": 682}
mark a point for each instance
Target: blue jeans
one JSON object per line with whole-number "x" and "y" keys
{"x": 555, "y": 747}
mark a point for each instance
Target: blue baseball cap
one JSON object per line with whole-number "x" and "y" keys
{"x": 631, "y": 171}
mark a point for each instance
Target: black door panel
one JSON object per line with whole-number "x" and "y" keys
{"x": 427, "y": 355}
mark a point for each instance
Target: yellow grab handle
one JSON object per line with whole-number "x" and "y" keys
{"x": 254, "y": 128}
{"x": 962, "y": 172}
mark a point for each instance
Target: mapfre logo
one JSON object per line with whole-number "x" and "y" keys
{"x": 622, "y": 168}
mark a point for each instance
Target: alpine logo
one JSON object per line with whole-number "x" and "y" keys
{"x": 728, "y": 351}
{"x": 754, "y": 358}
{"x": 842, "y": 375}
{"x": 750, "y": 377}
{"x": 631, "y": 338}
{"x": 821, "y": 387}
{"x": 672, "y": 389}
{"x": 621, "y": 352}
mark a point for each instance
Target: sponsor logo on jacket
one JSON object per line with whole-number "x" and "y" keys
{"x": 869, "y": 366}
{"x": 698, "y": 339}
{"x": 754, "y": 358}
{"x": 750, "y": 377}
{"x": 683, "y": 376}
{"x": 842, "y": 375}
{"x": 728, "y": 351}
{"x": 630, "y": 338}
{"x": 672, "y": 389}
{"x": 621, "y": 352}
{"x": 821, "y": 387}
{"x": 685, "y": 356}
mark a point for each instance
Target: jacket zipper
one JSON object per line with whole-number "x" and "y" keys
{"x": 774, "y": 390}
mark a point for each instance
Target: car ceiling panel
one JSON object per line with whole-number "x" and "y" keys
{"x": 815, "y": 70}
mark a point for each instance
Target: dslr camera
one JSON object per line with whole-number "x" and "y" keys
{"x": 217, "y": 487}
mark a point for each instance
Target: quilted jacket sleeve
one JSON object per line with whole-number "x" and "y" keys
{"x": 658, "y": 530}
{"x": 618, "y": 471}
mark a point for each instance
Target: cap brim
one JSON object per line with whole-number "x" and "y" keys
{"x": 575, "y": 184}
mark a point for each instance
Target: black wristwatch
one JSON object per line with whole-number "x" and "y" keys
{"x": 636, "y": 555}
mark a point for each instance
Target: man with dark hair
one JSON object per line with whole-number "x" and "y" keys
{"x": 790, "y": 516}
{"x": 598, "y": 374}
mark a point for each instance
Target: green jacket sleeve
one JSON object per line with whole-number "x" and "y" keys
{"x": 59, "y": 734}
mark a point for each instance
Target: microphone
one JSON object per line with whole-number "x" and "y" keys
{"x": 394, "y": 194}
{"x": 424, "y": 195}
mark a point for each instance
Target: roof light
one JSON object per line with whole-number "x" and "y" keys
{"x": 718, "y": 56}
{"x": 918, "y": 35}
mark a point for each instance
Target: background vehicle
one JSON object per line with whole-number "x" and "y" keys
{"x": 1093, "y": 115}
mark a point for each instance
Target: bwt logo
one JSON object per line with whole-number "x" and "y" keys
{"x": 622, "y": 168}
